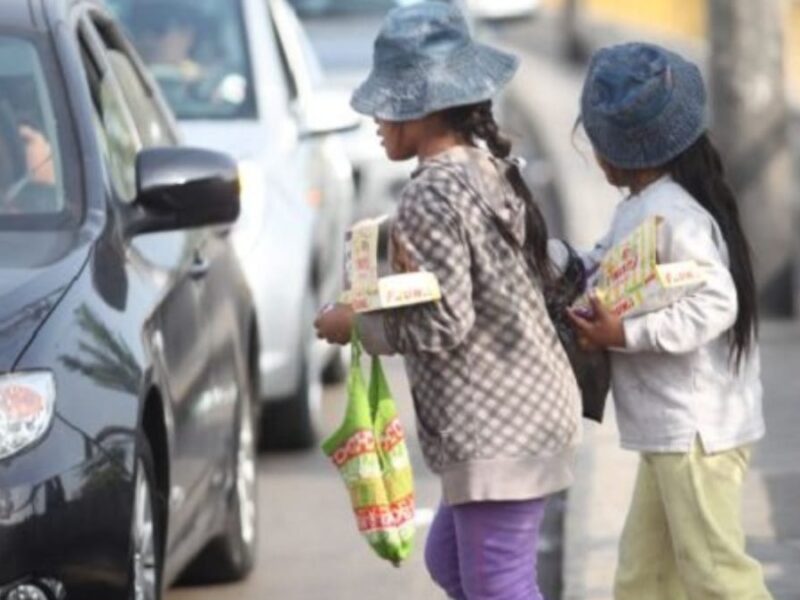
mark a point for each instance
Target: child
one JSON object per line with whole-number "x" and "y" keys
{"x": 497, "y": 404}
{"x": 685, "y": 378}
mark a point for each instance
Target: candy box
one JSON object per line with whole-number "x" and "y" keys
{"x": 630, "y": 281}
{"x": 369, "y": 282}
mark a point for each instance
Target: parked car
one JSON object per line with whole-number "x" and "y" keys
{"x": 127, "y": 333}
{"x": 343, "y": 32}
{"x": 240, "y": 80}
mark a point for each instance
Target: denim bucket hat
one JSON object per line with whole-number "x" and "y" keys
{"x": 425, "y": 60}
{"x": 642, "y": 105}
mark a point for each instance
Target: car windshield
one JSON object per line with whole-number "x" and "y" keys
{"x": 341, "y": 7}
{"x": 197, "y": 50}
{"x": 325, "y": 8}
{"x": 32, "y": 191}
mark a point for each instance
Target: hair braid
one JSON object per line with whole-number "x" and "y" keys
{"x": 476, "y": 122}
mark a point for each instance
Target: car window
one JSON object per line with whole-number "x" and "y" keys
{"x": 344, "y": 7}
{"x": 198, "y": 52}
{"x": 152, "y": 124}
{"x": 115, "y": 126}
{"x": 32, "y": 188}
{"x": 328, "y": 8}
{"x": 292, "y": 84}
{"x": 297, "y": 51}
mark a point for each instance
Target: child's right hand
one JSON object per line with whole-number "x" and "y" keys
{"x": 334, "y": 324}
{"x": 603, "y": 330}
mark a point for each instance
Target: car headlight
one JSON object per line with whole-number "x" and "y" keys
{"x": 27, "y": 404}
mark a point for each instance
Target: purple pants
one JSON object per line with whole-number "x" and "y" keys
{"x": 486, "y": 550}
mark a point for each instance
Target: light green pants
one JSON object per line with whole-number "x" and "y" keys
{"x": 683, "y": 538}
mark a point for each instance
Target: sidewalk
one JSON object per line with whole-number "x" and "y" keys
{"x": 598, "y": 501}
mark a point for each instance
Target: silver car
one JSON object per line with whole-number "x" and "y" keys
{"x": 242, "y": 78}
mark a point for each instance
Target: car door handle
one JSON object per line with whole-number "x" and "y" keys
{"x": 200, "y": 267}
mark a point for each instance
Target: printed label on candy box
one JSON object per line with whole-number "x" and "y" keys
{"x": 629, "y": 280}
{"x": 369, "y": 283}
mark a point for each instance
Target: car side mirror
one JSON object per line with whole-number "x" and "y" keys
{"x": 325, "y": 112}
{"x": 183, "y": 188}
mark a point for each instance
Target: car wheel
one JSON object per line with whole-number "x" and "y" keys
{"x": 293, "y": 423}
{"x": 231, "y": 556}
{"x": 538, "y": 173}
{"x": 335, "y": 372}
{"x": 146, "y": 530}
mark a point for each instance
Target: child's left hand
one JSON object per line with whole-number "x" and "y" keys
{"x": 603, "y": 330}
{"x": 335, "y": 324}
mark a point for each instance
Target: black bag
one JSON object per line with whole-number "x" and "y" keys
{"x": 592, "y": 369}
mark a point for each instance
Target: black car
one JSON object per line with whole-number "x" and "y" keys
{"x": 127, "y": 344}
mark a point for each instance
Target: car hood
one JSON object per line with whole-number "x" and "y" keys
{"x": 240, "y": 139}
{"x": 31, "y": 287}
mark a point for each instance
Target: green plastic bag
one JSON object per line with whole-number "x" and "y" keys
{"x": 370, "y": 452}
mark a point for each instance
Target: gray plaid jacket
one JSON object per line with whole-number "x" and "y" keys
{"x": 498, "y": 408}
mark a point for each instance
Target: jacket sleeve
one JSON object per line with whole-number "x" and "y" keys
{"x": 372, "y": 331}
{"x": 704, "y": 313}
{"x": 435, "y": 240}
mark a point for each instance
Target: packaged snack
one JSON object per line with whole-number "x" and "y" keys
{"x": 630, "y": 281}
{"x": 369, "y": 283}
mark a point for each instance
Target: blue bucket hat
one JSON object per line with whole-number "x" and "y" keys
{"x": 642, "y": 105}
{"x": 425, "y": 60}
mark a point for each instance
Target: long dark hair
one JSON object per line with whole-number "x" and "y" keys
{"x": 476, "y": 122}
{"x": 701, "y": 173}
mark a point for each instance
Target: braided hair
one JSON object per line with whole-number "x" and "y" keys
{"x": 701, "y": 173}
{"x": 476, "y": 122}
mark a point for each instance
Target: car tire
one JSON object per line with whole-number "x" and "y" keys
{"x": 335, "y": 372}
{"x": 292, "y": 423}
{"x": 147, "y": 529}
{"x": 230, "y": 557}
{"x": 539, "y": 171}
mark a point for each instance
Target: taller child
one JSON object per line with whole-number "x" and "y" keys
{"x": 498, "y": 410}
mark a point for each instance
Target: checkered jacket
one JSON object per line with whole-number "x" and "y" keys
{"x": 497, "y": 405}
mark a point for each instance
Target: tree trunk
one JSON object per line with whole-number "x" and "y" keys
{"x": 750, "y": 127}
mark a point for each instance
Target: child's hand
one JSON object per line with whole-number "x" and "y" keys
{"x": 334, "y": 323}
{"x": 603, "y": 330}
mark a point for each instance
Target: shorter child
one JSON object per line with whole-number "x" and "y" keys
{"x": 686, "y": 379}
